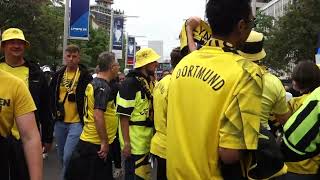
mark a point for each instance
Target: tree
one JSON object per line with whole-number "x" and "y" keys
{"x": 90, "y": 50}
{"x": 42, "y": 23}
{"x": 264, "y": 23}
{"x": 294, "y": 36}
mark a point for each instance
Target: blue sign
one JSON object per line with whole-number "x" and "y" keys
{"x": 131, "y": 47}
{"x": 117, "y": 32}
{"x": 79, "y": 19}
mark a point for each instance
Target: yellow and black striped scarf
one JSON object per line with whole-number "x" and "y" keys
{"x": 201, "y": 35}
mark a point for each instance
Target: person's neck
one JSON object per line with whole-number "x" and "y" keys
{"x": 104, "y": 75}
{"x": 226, "y": 39}
{"x": 144, "y": 72}
{"x": 14, "y": 61}
{"x": 72, "y": 69}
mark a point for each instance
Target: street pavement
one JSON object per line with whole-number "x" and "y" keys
{"x": 52, "y": 167}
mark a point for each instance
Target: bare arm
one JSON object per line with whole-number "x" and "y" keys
{"x": 124, "y": 121}
{"x": 102, "y": 132}
{"x": 229, "y": 156}
{"x": 192, "y": 23}
{"x": 282, "y": 118}
{"x": 31, "y": 144}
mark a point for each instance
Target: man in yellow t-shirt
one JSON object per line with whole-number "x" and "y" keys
{"x": 91, "y": 160}
{"x": 67, "y": 90}
{"x": 13, "y": 45}
{"x": 273, "y": 101}
{"x": 160, "y": 105}
{"x": 274, "y": 95}
{"x": 211, "y": 118}
{"x": 16, "y": 105}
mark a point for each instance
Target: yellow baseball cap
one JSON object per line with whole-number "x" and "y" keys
{"x": 145, "y": 56}
{"x": 13, "y": 33}
{"x": 252, "y": 49}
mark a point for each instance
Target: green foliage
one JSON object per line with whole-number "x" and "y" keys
{"x": 90, "y": 50}
{"x": 264, "y": 23}
{"x": 293, "y": 37}
{"x": 42, "y": 23}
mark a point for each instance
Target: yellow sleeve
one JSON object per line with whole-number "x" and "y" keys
{"x": 280, "y": 106}
{"x": 23, "y": 102}
{"x": 240, "y": 127}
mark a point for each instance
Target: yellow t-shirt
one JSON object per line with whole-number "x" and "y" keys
{"x": 21, "y": 72}
{"x": 96, "y": 97}
{"x": 308, "y": 166}
{"x": 214, "y": 100}
{"x": 70, "y": 108}
{"x": 160, "y": 104}
{"x": 15, "y": 101}
{"x": 273, "y": 98}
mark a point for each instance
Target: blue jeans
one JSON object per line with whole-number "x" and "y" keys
{"x": 67, "y": 137}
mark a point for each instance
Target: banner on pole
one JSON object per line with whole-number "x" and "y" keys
{"x": 131, "y": 50}
{"x": 117, "y": 32}
{"x": 79, "y": 19}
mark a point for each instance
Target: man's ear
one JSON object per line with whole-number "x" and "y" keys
{"x": 241, "y": 26}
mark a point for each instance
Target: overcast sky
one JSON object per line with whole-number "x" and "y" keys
{"x": 158, "y": 19}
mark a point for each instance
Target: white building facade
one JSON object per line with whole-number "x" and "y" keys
{"x": 158, "y": 47}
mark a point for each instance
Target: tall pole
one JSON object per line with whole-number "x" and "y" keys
{"x": 111, "y": 27}
{"x": 126, "y": 51}
{"x": 254, "y": 7}
{"x": 66, "y": 28}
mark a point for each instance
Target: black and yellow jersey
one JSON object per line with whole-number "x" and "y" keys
{"x": 214, "y": 100}
{"x": 97, "y": 97}
{"x": 133, "y": 101}
{"x": 15, "y": 101}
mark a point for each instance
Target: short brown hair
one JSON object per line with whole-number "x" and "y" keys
{"x": 307, "y": 75}
{"x": 105, "y": 61}
{"x": 175, "y": 56}
{"x": 72, "y": 48}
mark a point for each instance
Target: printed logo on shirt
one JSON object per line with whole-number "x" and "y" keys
{"x": 202, "y": 73}
{"x": 4, "y": 103}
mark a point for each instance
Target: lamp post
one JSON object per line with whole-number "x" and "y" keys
{"x": 66, "y": 28}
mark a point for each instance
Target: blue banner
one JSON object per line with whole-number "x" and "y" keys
{"x": 131, "y": 46}
{"x": 117, "y": 32}
{"x": 79, "y": 19}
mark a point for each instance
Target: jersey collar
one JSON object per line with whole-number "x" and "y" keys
{"x": 227, "y": 47}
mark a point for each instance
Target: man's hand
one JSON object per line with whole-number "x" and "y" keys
{"x": 193, "y": 22}
{"x": 126, "y": 150}
{"x": 104, "y": 149}
{"x": 47, "y": 147}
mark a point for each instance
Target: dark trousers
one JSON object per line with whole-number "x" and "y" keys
{"x": 161, "y": 167}
{"x": 18, "y": 164}
{"x": 85, "y": 163}
{"x": 293, "y": 176}
{"x": 116, "y": 152}
{"x": 137, "y": 167}
{"x": 4, "y": 158}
